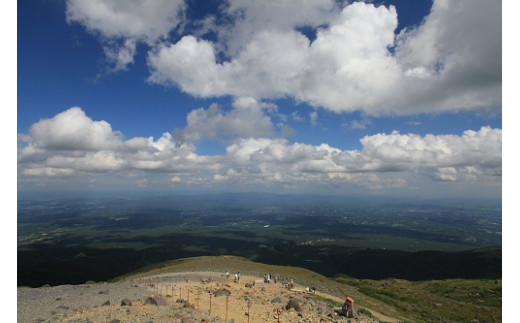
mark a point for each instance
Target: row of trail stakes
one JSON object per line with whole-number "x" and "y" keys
{"x": 216, "y": 307}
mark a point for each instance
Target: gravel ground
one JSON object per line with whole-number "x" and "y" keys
{"x": 88, "y": 303}
{"x": 51, "y": 304}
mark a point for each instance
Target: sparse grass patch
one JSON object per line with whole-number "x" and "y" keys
{"x": 459, "y": 300}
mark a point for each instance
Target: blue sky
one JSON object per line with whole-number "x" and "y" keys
{"x": 378, "y": 97}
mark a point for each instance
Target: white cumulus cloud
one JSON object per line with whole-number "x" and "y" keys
{"x": 71, "y": 144}
{"x": 121, "y": 24}
{"x": 73, "y": 130}
{"x": 451, "y": 62}
{"x": 248, "y": 118}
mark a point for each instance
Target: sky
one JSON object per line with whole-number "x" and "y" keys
{"x": 383, "y": 98}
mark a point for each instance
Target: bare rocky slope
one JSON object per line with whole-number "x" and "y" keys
{"x": 198, "y": 290}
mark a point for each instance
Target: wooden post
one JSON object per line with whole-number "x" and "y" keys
{"x": 248, "y": 314}
{"x": 227, "y": 301}
{"x": 210, "y": 304}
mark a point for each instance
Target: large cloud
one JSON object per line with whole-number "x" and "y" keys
{"x": 480, "y": 151}
{"x": 451, "y": 62}
{"x": 248, "y": 17}
{"x": 246, "y": 119}
{"x": 121, "y": 24}
{"x": 73, "y": 130}
{"x": 72, "y": 144}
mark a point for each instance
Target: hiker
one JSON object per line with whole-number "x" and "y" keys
{"x": 347, "y": 309}
{"x": 236, "y": 278}
{"x": 227, "y": 274}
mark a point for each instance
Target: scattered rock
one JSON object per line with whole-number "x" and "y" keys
{"x": 294, "y": 304}
{"x": 145, "y": 307}
{"x": 154, "y": 301}
{"x": 150, "y": 301}
{"x": 222, "y": 292}
{"x": 276, "y": 300}
{"x": 126, "y": 302}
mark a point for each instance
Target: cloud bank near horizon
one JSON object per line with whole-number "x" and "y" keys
{"x": 71, "y": 144}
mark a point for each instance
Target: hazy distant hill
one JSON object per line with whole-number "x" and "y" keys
{"x": 70, "y": 241}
